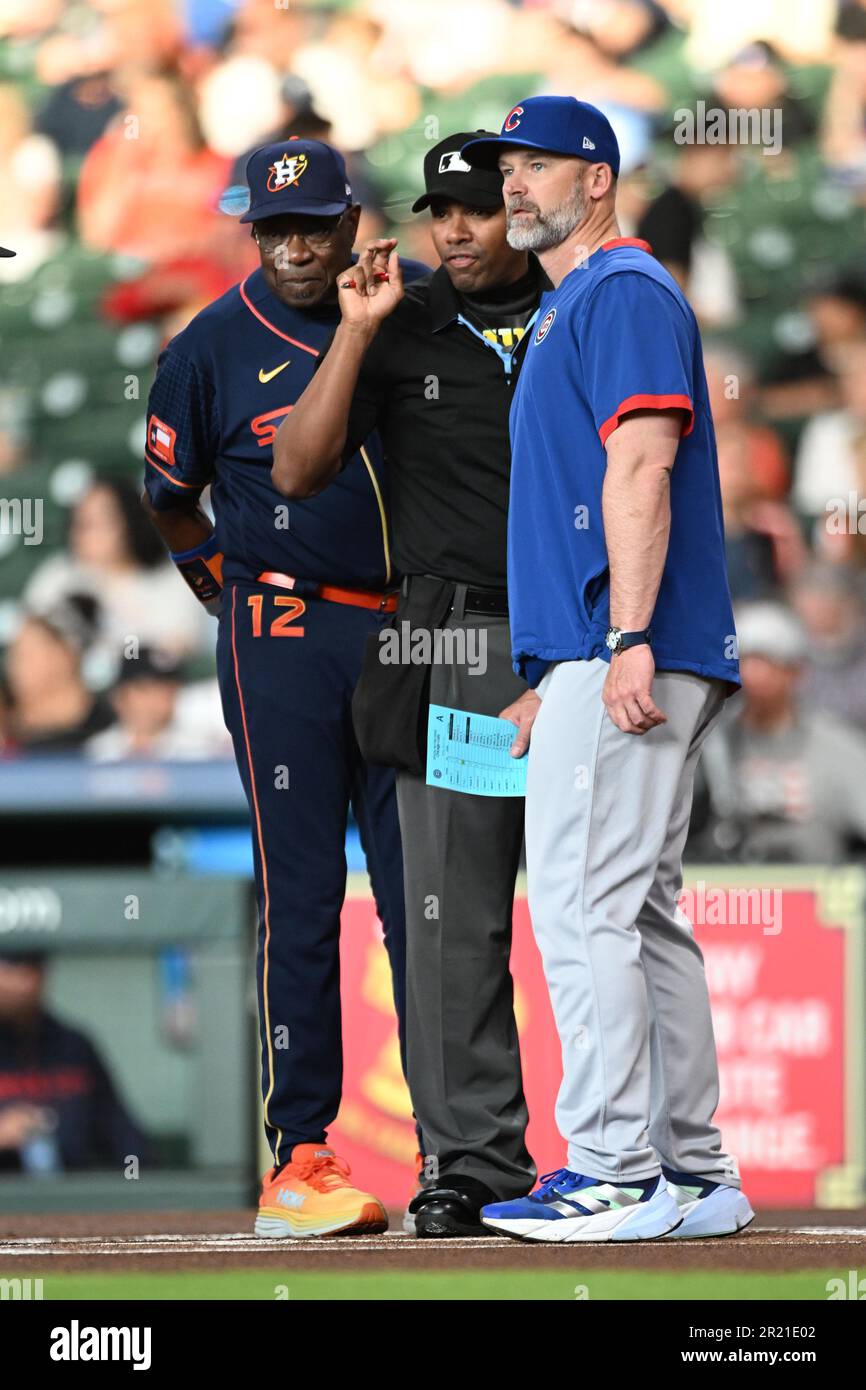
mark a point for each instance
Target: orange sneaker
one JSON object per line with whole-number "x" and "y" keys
{"x": 311, "y": 1196}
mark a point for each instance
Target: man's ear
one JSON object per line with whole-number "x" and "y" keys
{"x": 353, "y": 217}
{"x": 601, "y": 181}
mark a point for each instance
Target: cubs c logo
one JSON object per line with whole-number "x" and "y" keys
{"x": 512, "y": 120}
{"x": 545, "y": 326}
{"x": 286, "y": 171}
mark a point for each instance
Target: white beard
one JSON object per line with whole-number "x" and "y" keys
{"x": 546, "y": 229}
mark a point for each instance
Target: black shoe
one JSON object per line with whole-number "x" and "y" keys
{"x": 450, "y": 1207}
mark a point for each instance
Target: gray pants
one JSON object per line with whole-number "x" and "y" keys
{"x": 460, "y": 857}
{"x": 607, "y": 815}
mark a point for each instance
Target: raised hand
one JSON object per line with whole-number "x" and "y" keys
{"x": 372, "y": 288}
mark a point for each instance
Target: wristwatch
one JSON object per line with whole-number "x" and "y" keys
{"x": 618, "y": 641}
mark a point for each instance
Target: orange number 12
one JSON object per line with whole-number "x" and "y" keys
{"x": 280, "y": 625}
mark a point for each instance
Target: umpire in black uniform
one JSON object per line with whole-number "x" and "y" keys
{"x": 433, "y": 370}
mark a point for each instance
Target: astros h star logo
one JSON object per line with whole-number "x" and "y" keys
{"x": 286, "y": 171}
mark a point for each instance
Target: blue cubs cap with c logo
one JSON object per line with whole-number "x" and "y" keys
{"x": 302, "y": 176}
{"x": 562, "y": 125}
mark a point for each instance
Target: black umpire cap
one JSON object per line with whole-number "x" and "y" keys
{"x": 5, "y": 252}
{"x": 447, "y": 175}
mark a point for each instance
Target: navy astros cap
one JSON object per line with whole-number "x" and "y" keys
{"x": 302, "y": 176}
{"x": 447, "y": 175}
{"x": 562, "y": 125}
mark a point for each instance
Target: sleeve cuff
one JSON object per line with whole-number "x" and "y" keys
{"x": 648, "y": 403}
{"x": 175, "y": 482}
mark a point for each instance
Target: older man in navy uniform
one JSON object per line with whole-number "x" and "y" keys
{"x": 298, "y": 588}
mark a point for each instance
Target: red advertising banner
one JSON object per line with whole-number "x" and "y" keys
{"x": 786, "y": 966}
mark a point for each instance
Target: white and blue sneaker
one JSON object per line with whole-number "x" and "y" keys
{"x": 707, "y": 1207}
{"x": 570, "y": 1207}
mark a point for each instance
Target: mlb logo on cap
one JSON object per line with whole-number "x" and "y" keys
{"x": 448, "y": 177}
{"x": 562, "y": 125}
{"x": 452, "y": 163}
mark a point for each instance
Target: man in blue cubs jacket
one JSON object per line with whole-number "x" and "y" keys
{"x": 298, "y": 587}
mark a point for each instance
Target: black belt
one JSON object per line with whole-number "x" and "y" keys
{"x": 493, "y": 603}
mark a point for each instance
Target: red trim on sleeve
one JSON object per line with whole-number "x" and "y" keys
{"x": 647, "y": 403}
{"x": 625, "y": 241}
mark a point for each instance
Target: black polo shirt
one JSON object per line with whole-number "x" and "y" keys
{"x": 437, "y": 382}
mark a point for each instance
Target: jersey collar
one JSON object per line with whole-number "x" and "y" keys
{"x": 613, "y": 244}
{"x": 625, "y": 241}
{"x": 444, "y": 304}
{"x": 282, "y": 321}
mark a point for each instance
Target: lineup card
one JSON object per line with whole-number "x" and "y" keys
{"x": 469, "y": 753}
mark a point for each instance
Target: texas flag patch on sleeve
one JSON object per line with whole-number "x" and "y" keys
{"x": 161, "y": 440}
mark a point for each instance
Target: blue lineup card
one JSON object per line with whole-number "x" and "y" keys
{"x": 469, "y": 753}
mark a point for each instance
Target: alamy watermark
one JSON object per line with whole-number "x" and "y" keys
{"x": 438, "y": 646}
{"x": 22, "y": 516}
{"x": 732, "y": 907}
{"x": 846, "y": 516}
{"x": 21, "y": 1290}
{"x": 739, "y": 125}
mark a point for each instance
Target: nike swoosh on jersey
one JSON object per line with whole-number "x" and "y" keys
{"x": 266, "y": 376}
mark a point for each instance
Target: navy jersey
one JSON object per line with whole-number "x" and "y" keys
{"x": 222, "y": 387}
{"x": 617, "y": 335}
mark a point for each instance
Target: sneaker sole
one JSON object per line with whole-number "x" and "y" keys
{"x": 645, "y": 1221}
{"x": 725, "y": 1212}
{"x": 273, "y": 1225}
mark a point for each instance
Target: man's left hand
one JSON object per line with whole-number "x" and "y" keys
{"x": 627, "y": 692}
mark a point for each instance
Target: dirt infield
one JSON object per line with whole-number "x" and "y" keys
{"x": 777, "y": 1242}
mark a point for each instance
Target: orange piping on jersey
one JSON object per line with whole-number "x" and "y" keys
{"x": 647, "y": 403}
{"x": 261, "y": 843}
{"x": 313, "y": 352}
{"x": 382, "y": 517}
{"x": 305, "y": 347}
{"x": 177, "y": 482}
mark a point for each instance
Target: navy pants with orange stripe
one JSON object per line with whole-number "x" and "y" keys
{"x": 287, "y": 668}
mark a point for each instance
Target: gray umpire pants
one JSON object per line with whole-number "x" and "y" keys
{"x": 607, "y": 815}
{"x": 461, "y": 855}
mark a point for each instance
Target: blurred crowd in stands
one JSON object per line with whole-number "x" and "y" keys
{"x": 124, "y": 130}
{"x": 60, "y": 1108}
